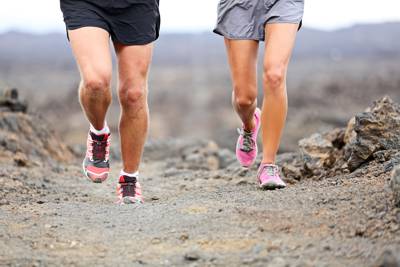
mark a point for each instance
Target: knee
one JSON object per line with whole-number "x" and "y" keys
{"x": 245, "y": 98}
{"x": 274, "y": 77}
{"x": 132, "y": 96}
{"x": 99, "y": 84}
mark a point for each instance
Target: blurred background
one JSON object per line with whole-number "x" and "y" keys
{"x": 347, "y": 55}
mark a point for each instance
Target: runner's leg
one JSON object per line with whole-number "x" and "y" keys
{"x": 242, "y": 57}
{"x": 133, "y": 66}
{"x": 91, "y": 48}
{"x": 280, "y": 39}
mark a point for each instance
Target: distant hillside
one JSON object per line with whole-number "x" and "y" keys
{"x": 18, "y": 48}
{"x": 369, "y": 40}
{"x": 365, "y": 40}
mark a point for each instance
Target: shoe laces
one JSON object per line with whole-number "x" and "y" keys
{"x": 248, "y": 142}
{"x": 270, "y": 169}
{"x": 128, "y": 188}
{"x": 98, "y": 149}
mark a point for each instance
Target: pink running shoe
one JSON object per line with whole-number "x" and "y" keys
{"x": 268, "y": 177}
{"x": 96, "y": 164}
{"x": 129, "y": 190}
{"x": 246, "y": 146}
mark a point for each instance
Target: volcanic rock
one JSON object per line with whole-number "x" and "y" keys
{"x": 387, "y": 259}
{"x": 376, "y": 129}
{"x": 30, "y": 136}
{"x": 321, "y": 151}
{"x": 395, "y": 185}
{"x": 9, "y": 101}
{"x": 372, "y": 135}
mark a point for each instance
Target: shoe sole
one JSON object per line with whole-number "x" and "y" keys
{"x": 247, "y": 166}
{"x": 96, "y": 181}
{"x": 129, "y": 200}
{"x": 271, "y": 186}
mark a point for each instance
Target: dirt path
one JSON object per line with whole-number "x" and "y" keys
{"x": 195, "y": 218}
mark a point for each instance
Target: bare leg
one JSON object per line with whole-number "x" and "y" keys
{"x": 280, "y": 39}
{"x": 242, "y": 56}
{"x": 91, "y": 48}
{"x": 133, "y": 63}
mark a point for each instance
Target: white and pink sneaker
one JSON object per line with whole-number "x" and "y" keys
{"x": 129, "y": 190}
{"x": 268, "y": 177}
{"x": 246, "y": 146}
{"x": 96, "y": 165}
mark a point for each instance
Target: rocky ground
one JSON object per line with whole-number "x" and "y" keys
{"x": 341, "y": 208}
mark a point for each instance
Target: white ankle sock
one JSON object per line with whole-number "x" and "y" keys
{"x": 134, "y": 174}
{"x": 105, "y": 129}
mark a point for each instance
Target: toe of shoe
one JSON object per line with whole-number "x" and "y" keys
{"x": 272, "y": 186}
{"x": 131, "y": 200}
{"x": 245, "y": 160}
{"x": 97, "y": 178}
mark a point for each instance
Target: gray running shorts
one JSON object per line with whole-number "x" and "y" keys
{"x": 246, "y": 19}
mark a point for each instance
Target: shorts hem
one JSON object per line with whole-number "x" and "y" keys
{"x": 113, "y": 37}
{"x": 277, "y": 21}
{"x": 232, "y": 37}
{"x": 137, "y": 42}
{"x": 69, "y": 28}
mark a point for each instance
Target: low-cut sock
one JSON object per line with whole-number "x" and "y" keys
{"x": 103, "y": 131}
{"x": 134, "y": 174}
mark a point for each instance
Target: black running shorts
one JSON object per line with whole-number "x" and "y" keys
{"x": 129, "y": 22}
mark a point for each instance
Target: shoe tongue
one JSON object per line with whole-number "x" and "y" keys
{"x": 98, "y": 137}
{"x": 270, "y": 169}
{"x": 247, "y": 131}
{"x": 127, "y": 179}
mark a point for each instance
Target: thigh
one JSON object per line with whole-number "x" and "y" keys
{"x": 280, "y": 40}
{"x": 242, "y": 57}
{"x": 133, "y": 63}
{"x": 91, "y": 47}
